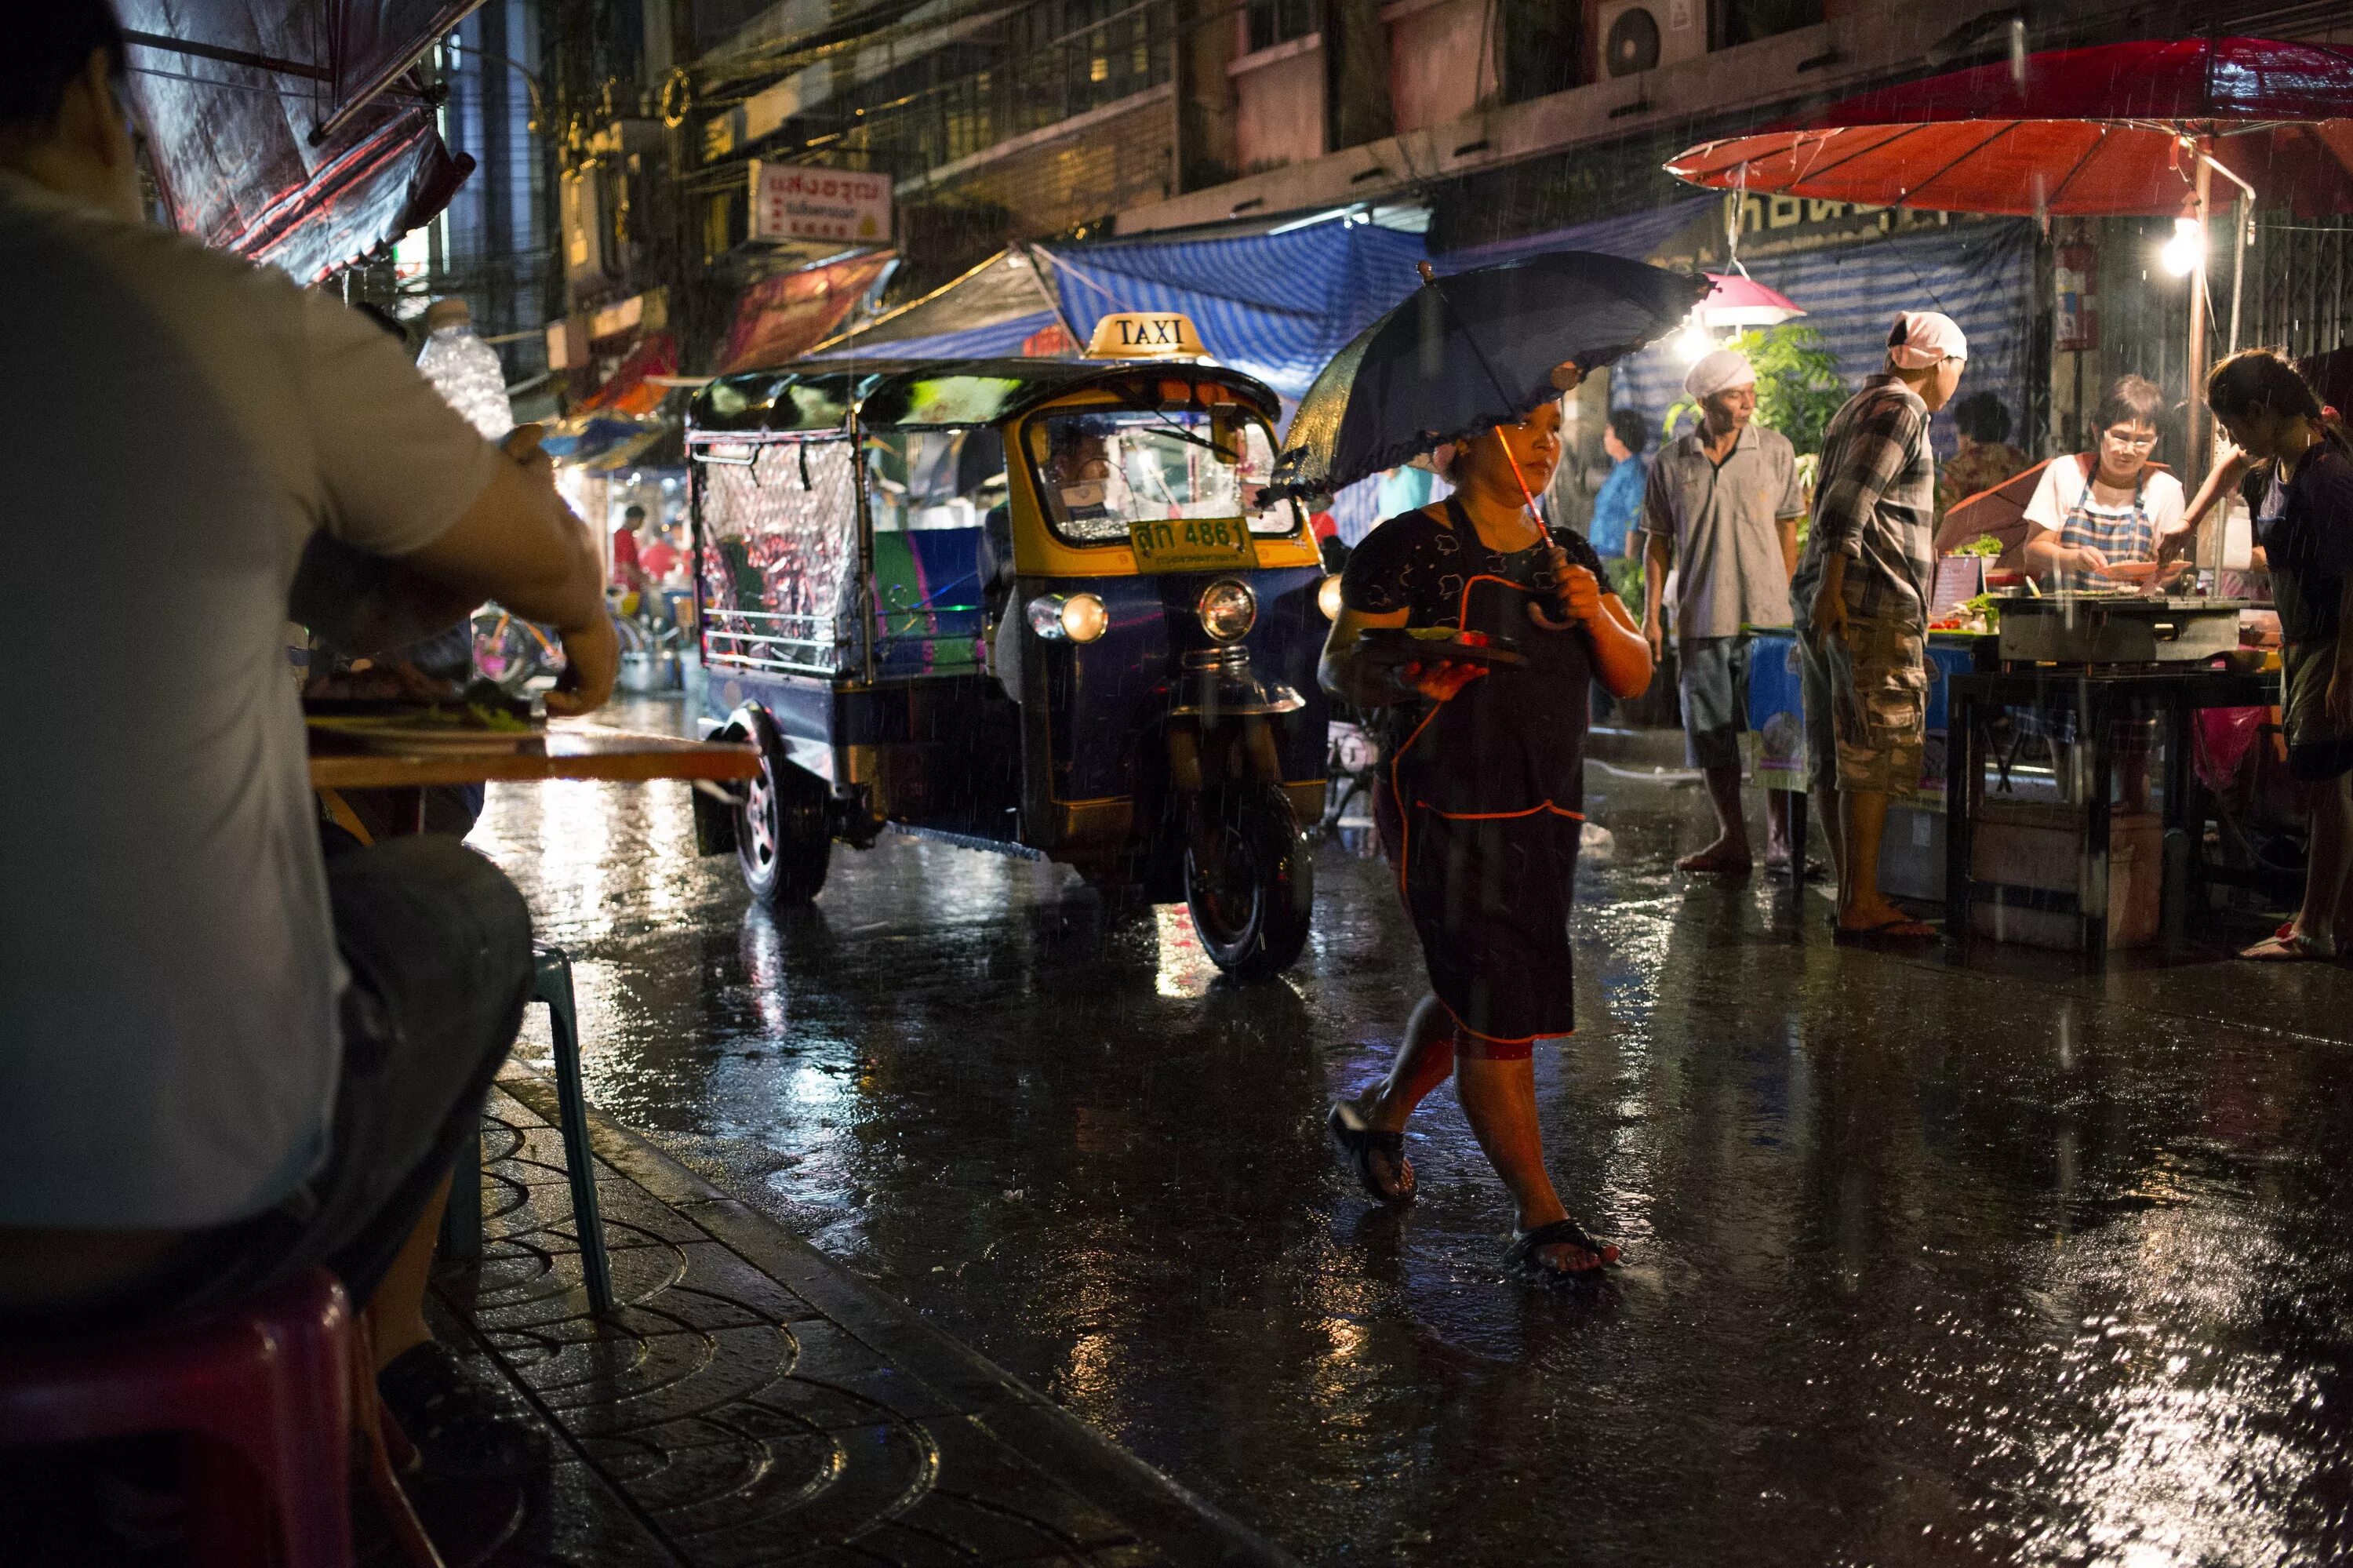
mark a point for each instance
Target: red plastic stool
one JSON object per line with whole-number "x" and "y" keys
{"x": 269, "y": 1380}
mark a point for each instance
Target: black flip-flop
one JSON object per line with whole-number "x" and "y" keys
{"x": 1520, "y": 1260}
{"x": 1359, "y": 1143}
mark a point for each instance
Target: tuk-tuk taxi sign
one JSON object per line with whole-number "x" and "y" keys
{"x": 1145, "y": 334}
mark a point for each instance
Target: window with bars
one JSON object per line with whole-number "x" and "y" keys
{"x": 1052, "y": 62}
{"x": 1267, "y": 22}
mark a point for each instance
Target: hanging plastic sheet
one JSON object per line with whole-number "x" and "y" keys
{"x": 292, "y": 134}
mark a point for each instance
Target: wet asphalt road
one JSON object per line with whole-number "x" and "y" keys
{"x": 1923, "y": 1265}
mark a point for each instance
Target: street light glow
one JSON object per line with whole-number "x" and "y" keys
{"x": 2186, "y": 252}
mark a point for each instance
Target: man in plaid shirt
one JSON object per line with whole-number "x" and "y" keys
{"x": 1860, "y": 597}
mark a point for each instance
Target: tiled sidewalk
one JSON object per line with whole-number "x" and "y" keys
{"x": 754, "y": 1403}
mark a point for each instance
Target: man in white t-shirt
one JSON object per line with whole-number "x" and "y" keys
{"x": 224, "y": 1058}
{"x": 2100, "y": 518}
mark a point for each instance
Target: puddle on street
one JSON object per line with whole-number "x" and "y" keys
{"x": 1922, "y": 1265}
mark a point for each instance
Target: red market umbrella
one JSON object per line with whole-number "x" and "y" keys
{"x": 2117, "y": 129}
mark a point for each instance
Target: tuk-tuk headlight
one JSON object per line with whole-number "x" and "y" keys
{"x": 1327, "y": 596}
{"x": 1228, "y": 610}
{"x": 1080, "y": 617}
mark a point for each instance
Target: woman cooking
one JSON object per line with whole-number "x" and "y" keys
{"x": 1480, "y": 803}
{"x": 2099, "y": 518}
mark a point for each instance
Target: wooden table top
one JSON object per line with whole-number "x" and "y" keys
{"x": 570, "y": 750}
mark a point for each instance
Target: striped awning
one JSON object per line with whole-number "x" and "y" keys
{"x": 1980, "y": 274}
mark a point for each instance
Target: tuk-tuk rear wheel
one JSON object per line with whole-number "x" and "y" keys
{"x": 784, "y": 830}
{"x": 1249, "y": 880}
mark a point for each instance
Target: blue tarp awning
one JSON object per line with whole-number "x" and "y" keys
{"x": 994, "y": 340}
{"x": 1980, "y": 274}
{"x": 1277, "y": 306}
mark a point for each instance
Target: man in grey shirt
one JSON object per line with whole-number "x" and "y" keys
{"x": 1722, "y": 507}
{"x": 222, "y": 1059}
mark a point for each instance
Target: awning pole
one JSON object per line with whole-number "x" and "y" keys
{"x": 2194, "y": 440}
{"x": 2242, "y": 223}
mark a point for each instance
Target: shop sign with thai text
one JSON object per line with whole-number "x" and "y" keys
{"x": 799, "y": 201}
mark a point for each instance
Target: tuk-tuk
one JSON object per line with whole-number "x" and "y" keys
{"x": 1030, "y": 606}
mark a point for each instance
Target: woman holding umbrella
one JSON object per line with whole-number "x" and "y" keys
{"x": 1481, "y": 631}
{"x": 1480, "y": 802}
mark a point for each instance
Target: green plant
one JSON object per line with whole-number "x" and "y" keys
{"x": 1798, "y": 384}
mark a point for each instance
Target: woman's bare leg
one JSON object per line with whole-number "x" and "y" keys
{"x": 1423, "y": 1062}
{"x": 1500, "y": 1100}
{"x": 2327, "y": 912}
{"x": 1499, "y": 1097}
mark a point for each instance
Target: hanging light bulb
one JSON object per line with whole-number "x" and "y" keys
{"x": 2186, "y": 252}
{"x": 1695, "y": 341}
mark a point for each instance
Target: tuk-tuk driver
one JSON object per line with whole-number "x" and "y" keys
{"x": 1077, "y": 465}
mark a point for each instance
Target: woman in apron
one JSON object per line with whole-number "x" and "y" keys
{"x": 2099, "y": 518}
{"x": 1481, "y": 805}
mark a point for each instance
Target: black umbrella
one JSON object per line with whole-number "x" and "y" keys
{"x": 1470, "y": 352}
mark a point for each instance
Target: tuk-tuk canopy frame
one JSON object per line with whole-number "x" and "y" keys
{"x": 934, "y": 394}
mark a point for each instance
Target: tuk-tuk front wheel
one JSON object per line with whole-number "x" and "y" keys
{"x": 784, "y": 830}
{"x": 1249, "y": 880}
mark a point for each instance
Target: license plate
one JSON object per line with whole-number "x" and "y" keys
{"x": 1188, "y": 545}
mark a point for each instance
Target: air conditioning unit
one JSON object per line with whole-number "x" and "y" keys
{"x": 1637, "y": 35}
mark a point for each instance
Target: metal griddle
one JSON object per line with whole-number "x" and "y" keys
{"x": 2116, "y": 628}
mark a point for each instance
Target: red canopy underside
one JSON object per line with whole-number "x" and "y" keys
{"x": 2087, "y": 132}
{"x": 2031, "y": 167}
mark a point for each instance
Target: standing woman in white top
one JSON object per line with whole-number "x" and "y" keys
{"x": 2100, "y": 517}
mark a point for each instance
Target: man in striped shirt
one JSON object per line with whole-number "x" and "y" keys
{"x": 1861, "y": 597}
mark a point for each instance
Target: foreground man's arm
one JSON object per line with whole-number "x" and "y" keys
{"x": 519, "y": 544}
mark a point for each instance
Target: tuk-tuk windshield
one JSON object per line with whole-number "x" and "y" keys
{"x": 1102, "y": 470}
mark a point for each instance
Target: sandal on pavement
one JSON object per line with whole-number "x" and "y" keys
{"x": 2289, "y": 945}
{"x": 1521, "y": 1262}
{"x": 1362, "y": 1145}
{"x": 1704, "y": 864}
{"x": 1903, "y": 929}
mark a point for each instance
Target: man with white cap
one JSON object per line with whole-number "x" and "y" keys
{"x": 1722, "y": 506}
{"x": 1861, "y": 594}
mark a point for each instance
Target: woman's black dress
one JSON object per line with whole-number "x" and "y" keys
{"x": 1487, "y": 789}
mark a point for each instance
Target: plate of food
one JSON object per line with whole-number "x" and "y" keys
{"x": 441, "y": 729}
{"x": 1391, "y": 646}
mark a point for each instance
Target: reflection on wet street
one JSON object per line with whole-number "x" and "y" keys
{"x": 1923, "y": 1265}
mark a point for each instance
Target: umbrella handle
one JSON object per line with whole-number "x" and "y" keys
{"x": 1525, "y": 494}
